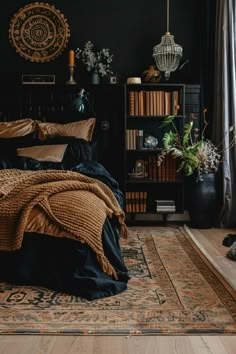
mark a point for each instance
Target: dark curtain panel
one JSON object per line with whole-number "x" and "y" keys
{"x": 207, "y": 45}
{"x": 224, "y": 103}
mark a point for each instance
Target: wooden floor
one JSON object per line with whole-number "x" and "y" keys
{"x": 211, "y": 241}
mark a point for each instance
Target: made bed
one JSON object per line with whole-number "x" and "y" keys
{"x": 61, "y": 213}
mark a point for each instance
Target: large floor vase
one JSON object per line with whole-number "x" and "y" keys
{"x": 203, "y": 201}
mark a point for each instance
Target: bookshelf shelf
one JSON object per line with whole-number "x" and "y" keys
{"x": 147, "y": 150}
{"x": 145, "y": 107}
{"x": 134, "y": 181}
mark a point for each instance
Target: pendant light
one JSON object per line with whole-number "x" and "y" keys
{"x": 167, "y": 54}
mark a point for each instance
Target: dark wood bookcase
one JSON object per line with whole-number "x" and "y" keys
{"x": 144, "y": 181}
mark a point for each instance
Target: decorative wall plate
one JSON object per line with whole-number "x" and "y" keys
{"x": 39, "y": 32}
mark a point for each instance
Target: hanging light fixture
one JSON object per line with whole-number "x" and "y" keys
{"x": 167, "y": 54}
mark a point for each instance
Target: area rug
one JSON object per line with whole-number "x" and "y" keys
{"x": 173, "y": 290}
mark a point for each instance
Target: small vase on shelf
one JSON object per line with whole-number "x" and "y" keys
{"x": 95, "y": 78}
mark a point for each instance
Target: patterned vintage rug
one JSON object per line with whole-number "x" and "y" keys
{"x": 173, "y": 290}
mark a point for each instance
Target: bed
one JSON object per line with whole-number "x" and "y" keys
{"x": 61, "y": 215}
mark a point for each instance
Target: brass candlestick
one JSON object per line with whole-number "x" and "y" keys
{"x": 71, "y": 80}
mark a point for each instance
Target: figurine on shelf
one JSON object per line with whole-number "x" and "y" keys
{"x": 150, "y": 142}
{"x": 151, "y": 75}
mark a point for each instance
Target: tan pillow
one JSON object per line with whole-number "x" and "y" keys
{"x": 53, "y": 153}
{"x": 16, "y": 128}
{"x": 82, "y": 129}
{"x": 39, "y": 222}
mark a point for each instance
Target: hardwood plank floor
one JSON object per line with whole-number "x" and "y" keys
{"x": 211, "y": 241}
{"x": 117, "y": 345}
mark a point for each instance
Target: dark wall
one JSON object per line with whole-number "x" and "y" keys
{"x": 130, "y": 28}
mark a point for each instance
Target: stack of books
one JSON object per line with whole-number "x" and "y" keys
{"x": 165, "y": 206}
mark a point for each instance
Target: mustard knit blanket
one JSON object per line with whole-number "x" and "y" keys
{"x": 77, "y": 203}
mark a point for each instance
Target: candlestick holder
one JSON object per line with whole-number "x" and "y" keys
{"x": 71, "y": 80}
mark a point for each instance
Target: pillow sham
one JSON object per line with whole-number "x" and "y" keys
{"x": 53, "y": 153}
{"x": 82, "y": 129}
{"x": 17, "y": 128}
{"x": 78, "y": 149}
{"x": 8, "y": 146}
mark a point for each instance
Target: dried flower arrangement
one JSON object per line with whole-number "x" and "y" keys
{"x": 99, "y": 61}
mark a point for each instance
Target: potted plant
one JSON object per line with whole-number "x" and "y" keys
{"x": 97, "y": 62}
{"x": 199, "y": 159}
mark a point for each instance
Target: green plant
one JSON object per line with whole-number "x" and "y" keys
{"x": 100, "y": 60}
{"x": 195, "y": 153}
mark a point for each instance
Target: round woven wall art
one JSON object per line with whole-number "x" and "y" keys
{"x": 39, "y": 32}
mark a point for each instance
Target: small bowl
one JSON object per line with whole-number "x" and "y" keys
{"x": 134, "y": 80}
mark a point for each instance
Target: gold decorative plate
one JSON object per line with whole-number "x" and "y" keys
{"x": 39, "y": 32}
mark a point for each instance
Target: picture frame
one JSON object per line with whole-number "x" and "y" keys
{"x": 113, "y": 80}
{"x": 140, "y": 169}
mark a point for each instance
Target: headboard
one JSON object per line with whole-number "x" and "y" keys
{"x": 57, "y": 103}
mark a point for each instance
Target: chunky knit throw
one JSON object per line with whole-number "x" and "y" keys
{"x": 77, "y": 203}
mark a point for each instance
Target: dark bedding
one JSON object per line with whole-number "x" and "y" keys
{"x": 63, "y": 264}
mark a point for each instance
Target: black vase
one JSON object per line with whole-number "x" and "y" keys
{"x": 203, "y": 201}
{"x": 95, "y": 78}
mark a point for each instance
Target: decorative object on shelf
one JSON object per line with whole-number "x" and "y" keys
{"x": 133, "y": 80}
{"x": 95, "y": 78}
{"x": 71, "y": 57}
{"x": 151, "y": 75}
{"x": 150, "y": 142}
{"x": 71, "y": 66}
{"x": 39, "y": 32}
{"x": 139, "y": 168}
{"x": 167, "y": 54}
{"x": 38, "y": 79}
{"x": 113, "y": 79}
{"x": 139, "y": 171}
{"x": 99, "y": 61}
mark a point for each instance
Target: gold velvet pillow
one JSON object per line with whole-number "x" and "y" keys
{"x": 53, "y": 153}
{"x": 17, "y": 128}
{"x": 82, "y": 129}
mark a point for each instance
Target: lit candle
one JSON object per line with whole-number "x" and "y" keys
{"x": 71, "y": 57}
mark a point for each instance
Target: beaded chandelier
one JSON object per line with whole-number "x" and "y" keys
{"x": 167, "y": 54}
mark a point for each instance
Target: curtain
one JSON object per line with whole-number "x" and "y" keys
{"x": 224, "y": 103}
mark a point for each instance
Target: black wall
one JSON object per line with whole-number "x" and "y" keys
{"x": 130, "y": 28}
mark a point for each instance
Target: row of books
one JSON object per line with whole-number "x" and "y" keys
{"x": 153, "y": 103}
{"x": 134, "y": 139}
{"x": 165, "y": 206}
{"x": 136, "y": 202}
{"x": 164, "y": 171}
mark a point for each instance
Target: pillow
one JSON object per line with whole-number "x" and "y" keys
{"x": 53, "y": 153}
{"x": 8, "y": 146}
{"x": 17, "y": 128}
{"x": 78, "y": 149}
{"x": 82, "y": 129}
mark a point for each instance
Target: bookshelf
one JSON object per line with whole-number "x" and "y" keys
{"x": 145, "y": 181}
